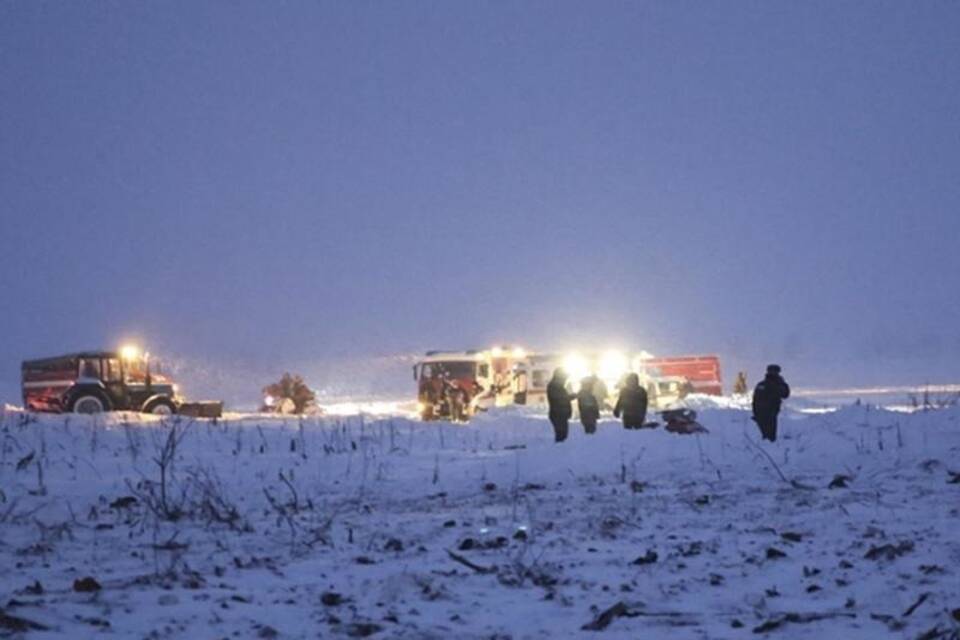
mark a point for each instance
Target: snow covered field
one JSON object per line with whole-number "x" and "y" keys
{"x": 131, "y": 527}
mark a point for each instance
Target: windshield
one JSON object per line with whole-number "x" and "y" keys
{"x": 451, "y": 369}
{"x": 136, "y": 370}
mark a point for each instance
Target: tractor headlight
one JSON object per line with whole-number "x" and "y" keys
{"x": 130, "y": 352}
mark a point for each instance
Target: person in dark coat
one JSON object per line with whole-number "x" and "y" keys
{"x": 600, "y": 392}
{"x": 559, "y": 399}
{"x": 632, "y": 403}
{"x": 588, "y": 405}
{"x": 767, "y": 398}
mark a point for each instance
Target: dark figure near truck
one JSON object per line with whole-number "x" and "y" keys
{"x": 632, "y": 403}
{"x": 768, "y": 395}
{"x": 559, "y": 399}
{"x": 588, "y": 405}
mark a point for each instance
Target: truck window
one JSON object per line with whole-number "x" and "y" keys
{"x": 460, "y": 370}
{"x": 112, "y": 370}
{"x": 90, "y": 368}
{"x": 135, "y": 371}
{"x": 426, "y": 371}
{"x": 484, "y": 371}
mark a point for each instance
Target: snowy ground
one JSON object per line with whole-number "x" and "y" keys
{"x": 352, "y": 527}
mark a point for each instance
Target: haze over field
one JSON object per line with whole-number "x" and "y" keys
{"x": 258, "y": 187}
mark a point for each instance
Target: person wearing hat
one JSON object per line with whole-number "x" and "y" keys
{"x": 632, "y": 403}
{"x": 588, "y": 405}
{"x": 559, "y": 399}
{"x": 767, "y": 398}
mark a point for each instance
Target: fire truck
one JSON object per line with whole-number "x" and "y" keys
{"x": 701, "y": 372}
{"x": 454, "y": 385}
{"x": 98, "y": 381}
{"x": 664, "y": 390}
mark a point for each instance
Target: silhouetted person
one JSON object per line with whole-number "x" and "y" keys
{"x": 767, "y": 397}
{"x": 632, "y": 403}
{"x": 600, "y": 392}
{"x": 588, "y": 405}
{"x": 559, "y": 400}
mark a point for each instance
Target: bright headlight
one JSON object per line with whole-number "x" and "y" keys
{"x": 613, "y": 365}
{"x": 576, "y": 367}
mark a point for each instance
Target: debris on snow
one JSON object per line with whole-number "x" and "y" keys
{"x": 889, "y": 551}
{"x": 86, "y": 585}
{"x": 839, "y": 482}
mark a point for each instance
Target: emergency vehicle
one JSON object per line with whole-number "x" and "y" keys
{"x": 455, "y": 385}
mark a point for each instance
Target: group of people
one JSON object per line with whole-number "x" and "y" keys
{"x": 632, "y": 402}
{"x": 591, "y": 398}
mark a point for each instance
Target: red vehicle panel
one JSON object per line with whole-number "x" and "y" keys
{"x": 703, "y": 372}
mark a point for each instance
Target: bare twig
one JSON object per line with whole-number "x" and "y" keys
{"x": 475, "y": 567}
{"x": 793, "y": 483}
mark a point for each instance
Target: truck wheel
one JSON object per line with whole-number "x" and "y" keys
{"x": 160, "y": 407}
{"x": 88, "y": 403}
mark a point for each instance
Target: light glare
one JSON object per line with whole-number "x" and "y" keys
{"x": 576, "y": 367}
{"x": 129, "y": 352}
{"x": 613, "y": 365}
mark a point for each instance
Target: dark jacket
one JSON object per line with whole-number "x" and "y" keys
{"x": 588, "y": 405}
{"x": 559, "y": 399}
{"x": 768, "y": 396}
{"x": 632, "y": 403}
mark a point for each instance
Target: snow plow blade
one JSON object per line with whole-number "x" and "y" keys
{"x": 206, "y": 409}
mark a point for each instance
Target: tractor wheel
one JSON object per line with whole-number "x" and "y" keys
{"x": 89, "y": 403}
{"x": 160, "y": 407}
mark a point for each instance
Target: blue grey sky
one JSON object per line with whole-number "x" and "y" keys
{"x": 277, "y": 183}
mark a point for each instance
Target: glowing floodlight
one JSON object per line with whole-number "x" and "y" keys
{"x": 576, "y": 367}
{"x": 613, "y": 365}
{"x": 130, "y": 352}
{"x": 519, "y": 353}
{"x": 496, "y": 352}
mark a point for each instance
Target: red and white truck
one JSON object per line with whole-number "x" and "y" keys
{"x": 456, "y": 384}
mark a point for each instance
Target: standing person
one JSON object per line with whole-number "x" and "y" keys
{"x": 559, "y": 399}
{"x": 632, "y": 403}
{"x": 740, "y": 384}
{"x": 767, "y": 397}
{"x": 600, "y": 392}
{"x": 588, "y": 405}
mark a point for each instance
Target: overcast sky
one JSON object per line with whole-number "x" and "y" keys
{"x": 276, "y": 183}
